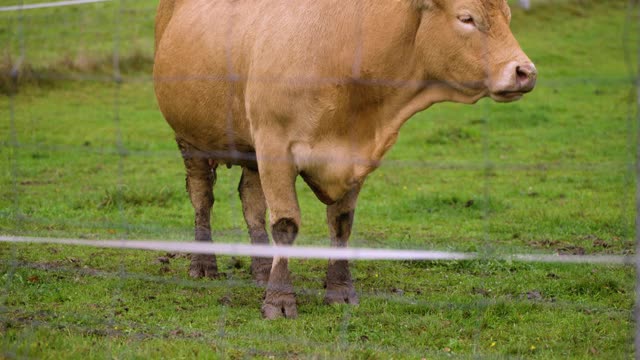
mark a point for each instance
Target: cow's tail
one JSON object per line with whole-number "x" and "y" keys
{"x": 163, "y": 15}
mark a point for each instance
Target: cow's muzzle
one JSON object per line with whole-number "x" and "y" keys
{"x": 517, "y": 80}
{"x": 526, "y": 76}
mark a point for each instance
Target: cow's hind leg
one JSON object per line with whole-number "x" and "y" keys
{"x": 201, "y": 176}
{"x": 339, "y": 285}
{"x": 254, "y": 208}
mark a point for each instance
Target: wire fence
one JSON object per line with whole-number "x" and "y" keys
{"x": 107, "y": 44}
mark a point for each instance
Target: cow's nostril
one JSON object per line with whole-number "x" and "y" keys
{"x": 526, "y": 72}
{"x": 523, "y": 73}
{"x": 526, "y": 75}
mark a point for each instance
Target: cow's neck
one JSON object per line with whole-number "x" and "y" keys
{"x": 407, "y": 103}
{"x": 416, "y": 93}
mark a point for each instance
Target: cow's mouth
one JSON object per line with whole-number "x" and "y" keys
{"x": 507, "y": 96}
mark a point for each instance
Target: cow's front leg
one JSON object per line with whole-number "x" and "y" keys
{"x": 201, "y": 176}
{"x": 339, "y": 285}
{"x": 279, "y": 297}
{"x": 277, "y": 176}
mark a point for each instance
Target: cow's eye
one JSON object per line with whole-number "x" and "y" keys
{"x": 466, "y": 19}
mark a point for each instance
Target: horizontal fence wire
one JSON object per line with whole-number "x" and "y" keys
{"x": 48, "y": 5}
{"x": 306, "y": 252}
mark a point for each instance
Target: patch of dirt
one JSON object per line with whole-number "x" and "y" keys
{"x": 571, "y": 250}
{"x": 536, "y": 295}
{"x": 225, "y": 301}
{"x": 60, "y": 265}
{"x": 46, "y": 266}
{"x": 544, "y": 244}
{"x": 560, "y": 247}
{"x": 235, "y": 263}
{"x": 181, "y": 334}
{"x": 397, "y": 291}
{"x": 102, "y": 332}
{"x": 75, "y": 261}
{"x": 480, "y": 291}
{"x": 601, "y": 243}
{"x": 35, "y": 182}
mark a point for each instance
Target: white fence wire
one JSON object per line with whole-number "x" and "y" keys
{"x": 48, "y": 5}
{"x": 308, "y": 252}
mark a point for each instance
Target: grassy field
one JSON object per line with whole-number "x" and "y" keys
{"x": 84, "y": 157}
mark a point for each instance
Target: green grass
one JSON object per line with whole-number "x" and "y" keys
{"x": 85, "y": 157}
{"x": 77, "y": 33}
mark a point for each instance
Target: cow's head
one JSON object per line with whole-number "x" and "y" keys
{"x": 468, "y": 45}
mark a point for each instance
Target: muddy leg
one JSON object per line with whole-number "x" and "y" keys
{"x": 280, "y": 298}
{"x": 339, "y": 285}
{"x": 201, "y": 175}
{"x": 254, "y": 208}
{"x": 277, "y": 176}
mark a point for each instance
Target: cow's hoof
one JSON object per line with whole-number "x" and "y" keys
{"x": 203, "y": 266}
{"x": 341, "y": 295}
{"x": 278, "y": 306}
{"x": 260, "y": 270}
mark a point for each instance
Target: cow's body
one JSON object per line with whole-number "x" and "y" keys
{"x": 318, "y": 89}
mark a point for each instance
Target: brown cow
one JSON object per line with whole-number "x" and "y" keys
{"x": 317, "y": 88}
